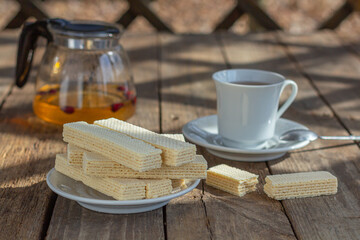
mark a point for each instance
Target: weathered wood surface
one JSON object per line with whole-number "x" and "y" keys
{"x": 27, "y": 150}
{"x": 334, "y": 71}
{"x": 28, "y": 8}
{"x": 254, "y": 10}
{"x": 186, "y": 67}
{"x": 71, "y": 221}
{"x": 187, "y": 93}
{"x": 142, "y": 7}
{"x": 173, "y": 79}
{"x": 230, "y": 18}
{"x": 311, "y": 218}
{"x": 338, "y": 16}
{"x": 8, "y": 50}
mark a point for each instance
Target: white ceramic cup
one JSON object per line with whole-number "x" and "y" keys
{"x": 247, "y": 113}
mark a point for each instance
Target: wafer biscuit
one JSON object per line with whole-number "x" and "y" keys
{"x": 231, "y": 180}
{"x": 174, "y": 152}
{"x": 118, "y": 147}
{"x": 298, "y": 185}
{"x": 178, "y": 184}
{"x": 97, "y": 165}
{"x": 120, "y": 189}
{"x": 178, "y": 137}
{"x": 157, "y": 187}
{"x": 74, "y": 155}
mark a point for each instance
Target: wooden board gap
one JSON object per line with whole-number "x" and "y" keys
{"x": 48, "y": 215}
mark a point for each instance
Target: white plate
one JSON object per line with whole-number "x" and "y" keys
{"x": 96, "y": 201}
{"x": 204, "y": 132}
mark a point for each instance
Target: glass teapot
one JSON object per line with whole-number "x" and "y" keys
{"x": 84, "y": 74}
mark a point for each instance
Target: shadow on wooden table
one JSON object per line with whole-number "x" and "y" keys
{"x": 36, "y": 170}
{"x": 38, "y": 196}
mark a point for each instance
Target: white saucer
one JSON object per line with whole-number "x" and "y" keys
{"x": 96, "y": 201}
{"x": 204, "y": 132}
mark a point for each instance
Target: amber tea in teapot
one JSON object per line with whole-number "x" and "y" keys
{"x": 120, "y": 105}
{"x": 84, "y": 74}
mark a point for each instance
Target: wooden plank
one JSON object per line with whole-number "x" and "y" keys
{"x": 27, "y": 154}
{"x": 28, "y": 8}
{"x": 253, "y": 216}
{"x": 258, "y": 214}
{"x": 252, "y": 8}
{"x": 186, "y": 67}
{"x": 8, "y": 48}
{"x": 338, "y": 16}
{"x": 141, "y": 7}
{"x": 229, "y": 19}
{"x": 33, "y": 8}
{"x": 69, "y": 220}
{"x": 187, "y": 63}
{"x": 126, "y": 18}
{"x": 350, "y": 40}
{"x": 311, "y": 218}
{"x": 326, "y": 217}
{"x": 17, "y": 20}
{"x": 333, "y": 70}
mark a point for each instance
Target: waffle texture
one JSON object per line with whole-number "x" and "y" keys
{"x": 299, "y": 185}
{"x": 98, "y": 165}
{"x": 74, "y": 155}
{"x": 120, "y": 189}
{"x": 178, "y": 184}
{"x": 174, "y": 152}
{"x": 157, "y": 187}
{"x": 231, "y": 180}
{"x": 130, "y": 152}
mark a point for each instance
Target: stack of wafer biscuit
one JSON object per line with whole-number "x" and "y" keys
{"x": 303, "y": 184}
{"x": 130, "y": 152}
{"x": 121, "y": 189}
{"x": 174, "y": 153}
{"x": 231, "y": 180}
{"x": 96, "y": 165}
{"x": 127, "y": 162}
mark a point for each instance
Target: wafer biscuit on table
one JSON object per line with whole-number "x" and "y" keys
{"x": 231, "y": 180}
{"x": 97, "y": 165}
{"x": 120, "y": 189}
{"x": 118, "y": 147}
{"x": 303, "y": 184}
{"x": 174, "y": 152}
{"x": 74, "y": 155}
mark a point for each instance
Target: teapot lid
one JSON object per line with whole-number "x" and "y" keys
{"x": 84, "y": 29}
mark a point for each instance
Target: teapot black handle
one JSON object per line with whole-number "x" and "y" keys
{"x": 26, "y": 48}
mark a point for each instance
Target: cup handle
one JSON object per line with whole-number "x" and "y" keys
{"x": 288, "y": 102}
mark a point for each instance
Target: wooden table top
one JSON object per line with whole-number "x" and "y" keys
{"x": 173, "y": 79}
